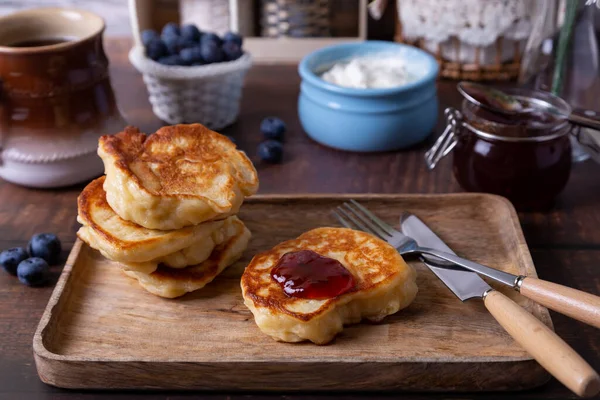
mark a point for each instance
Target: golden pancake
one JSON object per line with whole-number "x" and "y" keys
{"x": 384, "y": 284}
{"x": 170, "y": 283}
{"x": 142, "y": 249}
{"x": 181, "y": 175}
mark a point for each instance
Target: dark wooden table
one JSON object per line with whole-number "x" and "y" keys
{"x": 565, "y": 242}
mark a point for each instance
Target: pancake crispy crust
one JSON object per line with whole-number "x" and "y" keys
{"x": 171, "y": 283}
{"x": 384, "y": 285}
{"x": 142, "y": 249}
{"x": 181, "y": 175}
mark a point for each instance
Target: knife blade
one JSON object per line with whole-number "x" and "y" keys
{"x": 464, "y": 284}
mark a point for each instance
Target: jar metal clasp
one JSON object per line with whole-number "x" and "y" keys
{"x": 447, "y": 140}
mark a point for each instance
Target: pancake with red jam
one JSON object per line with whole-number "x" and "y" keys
{"x": 308, "y": 288}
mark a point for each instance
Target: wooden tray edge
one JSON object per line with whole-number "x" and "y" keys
{"x": 39, "y": 349}
{"x": 258, "y": 376}
{"x": 300, "y": 196}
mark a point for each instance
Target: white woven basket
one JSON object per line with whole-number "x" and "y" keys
{"x": 208, "y": 94}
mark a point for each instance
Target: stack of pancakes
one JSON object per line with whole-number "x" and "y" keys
{"x": 165, "y": 210}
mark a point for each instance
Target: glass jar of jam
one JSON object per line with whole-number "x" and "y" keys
{"x": 525, "y": 158}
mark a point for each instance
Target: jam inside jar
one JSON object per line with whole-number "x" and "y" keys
{"x": 525, "y": 158}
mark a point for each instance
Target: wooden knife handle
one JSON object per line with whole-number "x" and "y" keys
{"x": 556, "y": 356}
{"x": 579, "y": 305}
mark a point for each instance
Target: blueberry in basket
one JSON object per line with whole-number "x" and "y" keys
{"x": 10, "y": 259}
{"x": 211, "y": 52}
{"x": 233, "y": 38}
{"x": 232, "y": 51}
{"x": 211, "y": 37}
{"x": 156, "y": 49}
{"x": 190, "y": 32}
{"x": 189, "y": 46}
{"x": 170, "y": 29}
{"x": 192, "y": 56}
{"x": 148, "y": 36}
{"x": 33, "y": 271}
{"x": 186, "y": 43}
{"x": 175, "y": 44}
{"x": 171, "y": 44}
{"x": 171, "y": 60}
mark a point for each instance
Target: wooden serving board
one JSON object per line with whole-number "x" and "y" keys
{"x": 100, "y": 330}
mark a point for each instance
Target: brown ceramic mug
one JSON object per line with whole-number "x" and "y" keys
{"x": 55, "y": 96}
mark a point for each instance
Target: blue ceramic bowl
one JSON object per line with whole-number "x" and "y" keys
{"x": 368, "y": 119}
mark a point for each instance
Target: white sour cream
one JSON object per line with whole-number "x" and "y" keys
{"x": 369, "y": 72}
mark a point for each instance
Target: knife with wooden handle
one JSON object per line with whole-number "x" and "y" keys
{"x": 574, "y": 303}
{"x": 556, "y": 356}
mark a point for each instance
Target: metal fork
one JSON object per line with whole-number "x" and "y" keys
{"x": 353, "y": 215}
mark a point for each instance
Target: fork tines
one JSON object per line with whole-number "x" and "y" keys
{"x": 355, "y": 216}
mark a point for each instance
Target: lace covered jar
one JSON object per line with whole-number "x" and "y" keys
{"x": 472, "y": 39}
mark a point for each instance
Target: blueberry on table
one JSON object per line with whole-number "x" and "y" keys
{"x": 272, "y": 128}
{"x": 233, "y": 37}
{"x": 10, "y": 259}
{"x": 190, "y": 32}
{"x": 33, "y": 271}
{"x": 270, "y": 151}
{"x": 211, "y": 52}
{"x": 191, "y": 56}
{"x": 211, "y": 37}
{"x": 232, "y": 51}
{"x": 171, "y": 60}
{"x": 46, "y": 246}
{"x": 156, "y": 49}
{"x": 170, "y": 29}
{"x": 149, "y": 35}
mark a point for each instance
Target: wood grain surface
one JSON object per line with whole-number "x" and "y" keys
{"x": 564, "y": 241}
{"x": 99, "y": 321}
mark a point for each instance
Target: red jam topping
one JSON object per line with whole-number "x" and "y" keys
{"x": 308, "y": 275}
